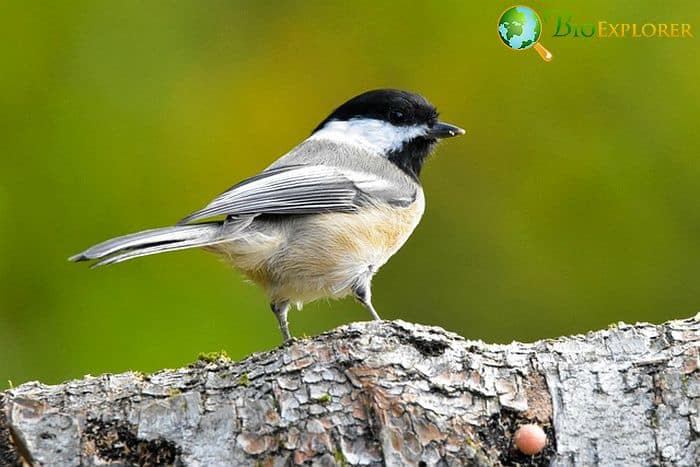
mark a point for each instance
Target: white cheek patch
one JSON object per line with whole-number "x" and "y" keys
{"x": 370, "y": 134}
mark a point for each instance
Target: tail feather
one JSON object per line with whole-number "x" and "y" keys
{"x": 153, "y": 241}
{"x": 158, "y": 248}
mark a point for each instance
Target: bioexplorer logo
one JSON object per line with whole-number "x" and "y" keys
{"x": 565, "y": 26}
{"x": 520, "y": 28}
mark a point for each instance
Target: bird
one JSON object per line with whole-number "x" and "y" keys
{"x": 322, "y": 219}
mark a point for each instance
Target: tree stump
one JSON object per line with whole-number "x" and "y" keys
{"x": 380, "y": 393}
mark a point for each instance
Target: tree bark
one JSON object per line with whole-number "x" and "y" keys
{"x": 380, "y": 393}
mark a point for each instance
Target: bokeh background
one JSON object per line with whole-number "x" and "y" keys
{"x": 573, "y": 201}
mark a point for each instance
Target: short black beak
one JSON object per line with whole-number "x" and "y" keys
{"x": 444, "y": 130}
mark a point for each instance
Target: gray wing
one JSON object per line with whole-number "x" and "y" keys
{"x": 294, "y": 189}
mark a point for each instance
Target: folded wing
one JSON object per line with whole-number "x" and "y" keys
{"x": 294, "y": 189}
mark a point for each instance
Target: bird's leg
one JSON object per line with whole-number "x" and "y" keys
{"x": 280, "y": 310}
{"x": 363, "y": 294}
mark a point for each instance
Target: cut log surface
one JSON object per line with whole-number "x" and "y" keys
{"x": 380, "y": 393}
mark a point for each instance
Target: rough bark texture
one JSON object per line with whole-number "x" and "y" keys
{"x": 380, "y": 393}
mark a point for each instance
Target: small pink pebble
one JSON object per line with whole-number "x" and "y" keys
{"x": 530, "y": 439}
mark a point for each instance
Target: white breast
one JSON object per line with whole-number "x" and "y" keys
{"x": 327, "y": 253}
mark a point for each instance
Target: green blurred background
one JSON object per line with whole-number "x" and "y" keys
{"x": 573, "y": 201}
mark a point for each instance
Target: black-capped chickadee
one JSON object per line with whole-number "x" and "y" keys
{"x": 323, "y": 218}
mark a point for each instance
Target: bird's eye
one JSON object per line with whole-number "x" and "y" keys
{"x": 396, "y": 116}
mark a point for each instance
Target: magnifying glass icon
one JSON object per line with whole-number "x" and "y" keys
{"x": 519, "y": 27}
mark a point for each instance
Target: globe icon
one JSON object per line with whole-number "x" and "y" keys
{"x": 519, "y": 28}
